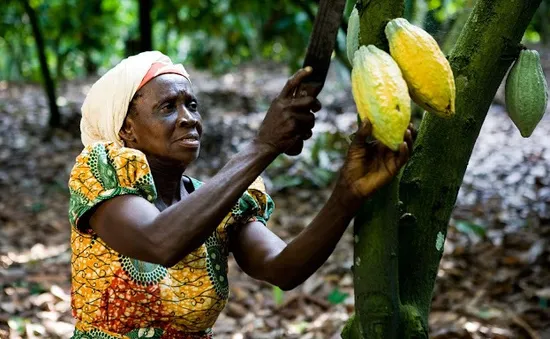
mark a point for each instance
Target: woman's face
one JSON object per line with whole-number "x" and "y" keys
{"x": 165, "y": 123}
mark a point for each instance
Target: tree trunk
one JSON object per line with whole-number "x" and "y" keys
{"x": 145, "y": 25}
{"x": 375, "y": 268}
{"x": 417, "y": 206}
{"x": 49, "y": 85}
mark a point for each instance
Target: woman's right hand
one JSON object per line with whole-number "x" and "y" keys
{"x": 290, "y": 117}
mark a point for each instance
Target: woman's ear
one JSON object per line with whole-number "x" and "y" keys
{"x": 126, "y": 132}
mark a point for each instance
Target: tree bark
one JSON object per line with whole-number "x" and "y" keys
{"x": 429, "y": 186}
{"x": 49, "y": 85}
{"x": 375, "y": 268}
{"x": 145, "y": 25}
{"x": 376, "y": 240}
{"x": 417, "y": 206}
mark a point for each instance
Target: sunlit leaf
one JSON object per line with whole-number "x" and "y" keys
{"x": 337, "y": 297}
{"x": 278, "y": 295}
{"x": 468, "y": 227}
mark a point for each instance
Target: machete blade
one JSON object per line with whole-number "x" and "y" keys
{"x": 321, "y": 44}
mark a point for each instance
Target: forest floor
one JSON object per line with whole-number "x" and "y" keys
{"x": 493, "y": 280}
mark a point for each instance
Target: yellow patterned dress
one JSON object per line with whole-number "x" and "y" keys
{"x": 114, "y": 296}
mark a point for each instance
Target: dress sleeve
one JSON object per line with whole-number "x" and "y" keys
{"x": 254, "y": 205}
{"x": 104, "y": 171}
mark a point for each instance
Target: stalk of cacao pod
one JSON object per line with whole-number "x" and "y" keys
{"x": 425, "y": 68}
{"x": 381, "y": 95}
{"x": 526, "y": 92}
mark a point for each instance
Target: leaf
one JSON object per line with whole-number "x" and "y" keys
{"x": 285, "y": 181}
{"x": 470, "y": 228}
{"x": 543, "y": 303}
{"x": 278, "y": 295}
{"x": 17, "y": 324}
{"x": 36, "y": 289}
{"x": 37, "y": 207}
{"x": 337, "y": 297}
{"x": 322, "y": 177}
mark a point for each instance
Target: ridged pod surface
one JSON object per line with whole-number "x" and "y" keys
{"x": 425, "y": 68}
{"x": 381, "y": 95}
{"x": 352, "y": 35}
{"x": 526, "y": 92}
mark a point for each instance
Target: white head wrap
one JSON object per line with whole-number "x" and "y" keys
{"x": 106, "y": 105}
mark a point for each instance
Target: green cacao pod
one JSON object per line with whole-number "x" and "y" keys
{"x": 352, "y": 35}
{"x": 526, "y": 92}
{"x": 381, "y": 95}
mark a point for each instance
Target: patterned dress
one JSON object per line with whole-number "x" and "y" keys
{"x": 114, "y": 296}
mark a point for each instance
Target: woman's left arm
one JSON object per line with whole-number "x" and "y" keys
{"x": 264, "y": 256}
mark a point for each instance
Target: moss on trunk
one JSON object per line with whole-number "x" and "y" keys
{"x": 431, "y": 180}
{"x": 376, "y": 232}
{"x": 376, "y": 248}
{"x": 374, "y": 15}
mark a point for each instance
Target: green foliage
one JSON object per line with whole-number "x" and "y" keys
{"x": 87, "y": 37}
{"x": 15, "y": 42}
{"x": 80, "y": 36}
{"x": 539, "y": 28}
{"x": 278, "y": 295}
{"x": 242, "y": 31}
{"x": 436, "y": 16}
{"x": 83, "y": 37}
{"x": 471, "y": 228}
{"x": 337, "y": 297}
{"x": 17, "y": 324}
{"x": 439, "y": 17}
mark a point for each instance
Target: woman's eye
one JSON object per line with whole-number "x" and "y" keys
{"x": 169, "y": 106}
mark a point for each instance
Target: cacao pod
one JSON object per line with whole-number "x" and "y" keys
{"x": 352, "y": 35}
{"x": 526, "y": 92}
{"x": 425, "y": 68}
{"x": 381, "y": 95}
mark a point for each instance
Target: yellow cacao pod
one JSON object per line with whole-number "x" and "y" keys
{"x": 352, "y": 35}
{"x": 381, "y": 95}
{"x": 425, "y": 68}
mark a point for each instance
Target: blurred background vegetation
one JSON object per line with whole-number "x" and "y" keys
{"x": 83, "y": 38}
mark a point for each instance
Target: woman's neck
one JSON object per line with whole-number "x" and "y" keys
{"x": 167, "y": 178}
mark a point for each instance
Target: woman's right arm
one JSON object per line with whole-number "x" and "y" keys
{"x": 134, "y": 227}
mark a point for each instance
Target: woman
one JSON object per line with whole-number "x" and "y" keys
{"x": 150, "y": 244}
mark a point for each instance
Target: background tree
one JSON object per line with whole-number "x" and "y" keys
{"x": 145, "y": 25}
{"x": 400, "y": 232}
{"x": 49, "y": 85}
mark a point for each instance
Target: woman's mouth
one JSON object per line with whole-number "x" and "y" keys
{"x": 190, "y": 142}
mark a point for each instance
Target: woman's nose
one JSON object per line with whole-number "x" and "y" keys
{"x": 186, "y": 118}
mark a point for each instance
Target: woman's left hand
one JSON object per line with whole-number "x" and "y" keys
{"x": 371, "y": 165}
